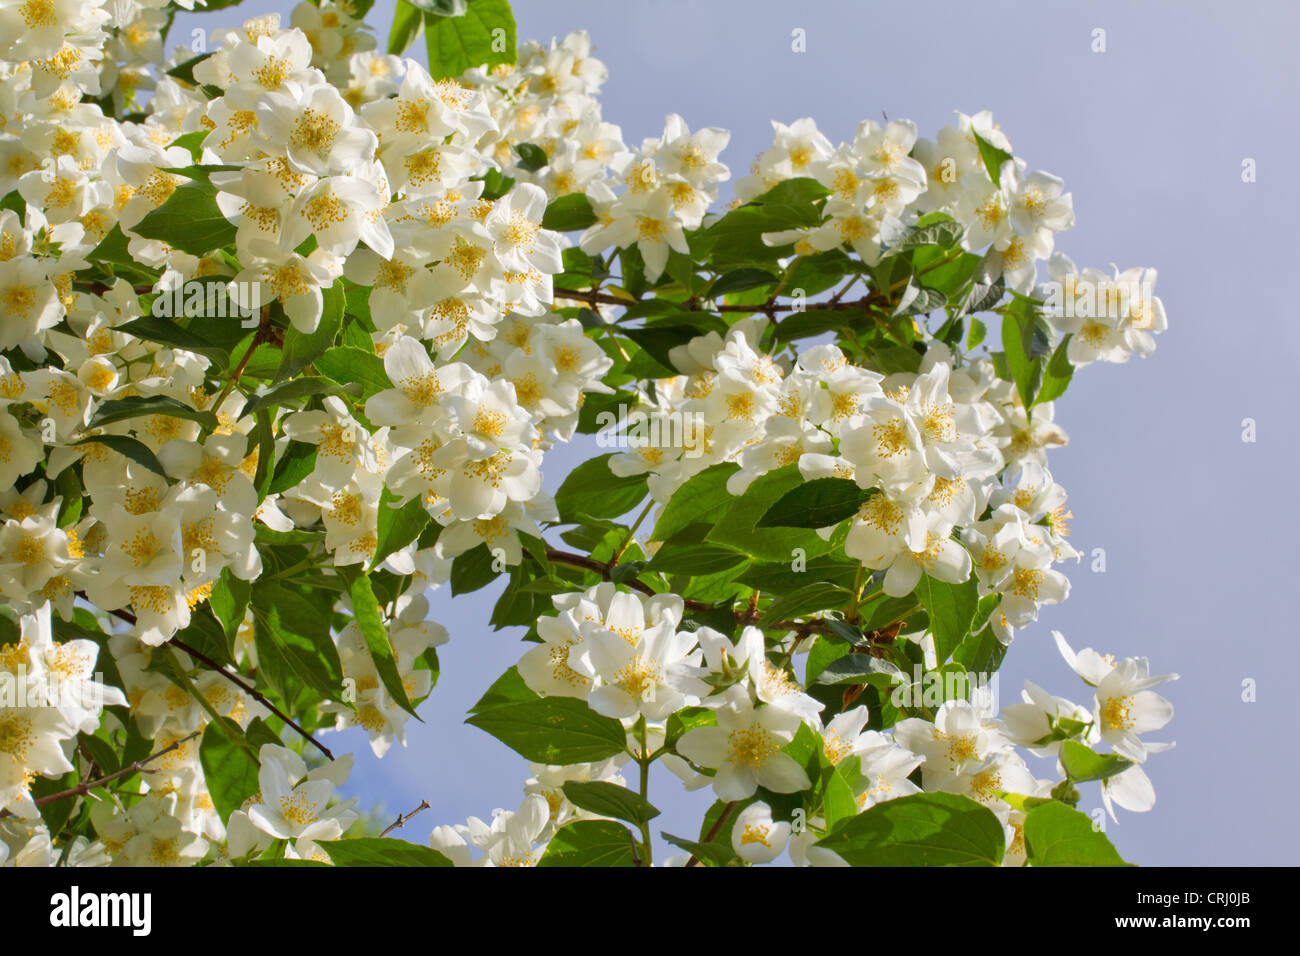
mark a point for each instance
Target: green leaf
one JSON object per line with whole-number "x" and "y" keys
{"x": 810, "y": 322}
{"x": 695, "y": 559}
{"x": 302, "y": 635}
{"x": 303, "y": 348}
{"x": 472, "y": 570}
{"x": 610, "y": 800}
{"x": 365, "y": 608}
{"x": 185, "y": 69}
{"x": 711, "y": 854}
{"x": 981, "y": 653}
{"x": 688, "y": 718}
{"x": 951, "y": 608}
{"x": 838, "y": 801}
{"x": 229, "y": 770}
{"x": 737, "y": 528}
{"x": 134, "y": 406}
{"x": 590, "y": 843}
{"x": 1082, "y": 763}
{"x": 398, "y": 526}
{"x": 189, "y": 220}
{"x": 407, "y": 20}
{"x": 507, "y": 689}
{"x": 1026, "y": 340}
{"x": 740, "y": 280}
{"x": 229, "y": 600}
{"x": 924, "y": 829}
{"x": 816, "y": 504}
{"x": 553, "y": 730}
{"x": 1057, "y": 835}
{"x": 814, "y": 596}
{"x": 993, "y": 158}
{"x": 860, "y": 669}
{"x": 483, "y": 36}
{"x": 703, "y": 498}
{"x": 305, "y": 386}
{"x": 593, "y": 489}
{"x": 382, "y": 851}
{"x": 166, "y": 332}
{"x": 1056, "y": 375}
{"x": 297, "y": 462}
{"x": 531, "y": 157}
{"x": 945, "y": 232}
{"x": 133, "y": 449}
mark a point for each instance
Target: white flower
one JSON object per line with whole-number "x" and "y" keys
{"x": 756, "y": 837}
{"x": 745, "y": 748}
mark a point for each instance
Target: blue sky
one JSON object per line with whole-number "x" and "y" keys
{"x": 1150, "y": 137}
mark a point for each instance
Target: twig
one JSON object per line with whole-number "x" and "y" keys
{"x": 208, "y": 662}
{"x": 714, "y": 830}
{"x": 263, "y": 334}
{"x": 251, "y": 691}
{"x": 771, "y": 308}
{"x": 402, "y": 821}
{"x": 84, "y": 788}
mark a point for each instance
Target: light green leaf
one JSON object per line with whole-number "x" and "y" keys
{"x": 924, "y": 829}
{"x": 553, "y": 730}
{"x": 382, "y": 851}
{"x": 590, "y": 843}
{"x": 610, "y": 800}
{"x": 1057, "y": 835}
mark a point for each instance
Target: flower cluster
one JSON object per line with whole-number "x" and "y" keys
{"x": 287, "y": 330}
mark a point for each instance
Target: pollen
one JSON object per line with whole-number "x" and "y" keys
{"x": 990, "y": 213}
{"x": 298, "y": 809}
{"x": 561, "y": 672}
{"x": 939, "y": 422}
{"x": 29, "y": 551}
{"x": 490, "y": 422}
{"x": 20, "y": 300}
{"x": 1117, "y": 713}
{"x": 286, "y": 280}
{"x": 423, "y": 389}
{"x": 754, "y": 833}
{"x": 835, "y": 747}
{"x": 346, "y": 508}
{"x": 751, "y": 747}
{"x": 1026, "y": 582}
{"x": 412, "y": 116}
{"x": 522, "y": 231}
{"x": 423, "y": 166}
{"x": 881, "y": 513}
{"x": 324, "y": 211}
{"x": 638, "y": 677}
{"x": 649, "y": 229}
{"x": 741, "y": 405}
{"x": 891, "y": 438}
{"x": 39, "y": 13}
{"x": 315, "y": 133}
{"x": 465, "y": 258}
{"x": 959, "y": 746}
{"x": 142, "y": 547}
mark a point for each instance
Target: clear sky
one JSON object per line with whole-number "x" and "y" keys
{"x": 1150, "y": 137}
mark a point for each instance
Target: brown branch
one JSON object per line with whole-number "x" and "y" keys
{"x": 84, "y": 788}
{"x": 402, "y": 821}
{"x": 251, "y": 691}
{"x": 771, "y": 308}
{"x": 208, "y": 662}
{"x": 714, "y": 830}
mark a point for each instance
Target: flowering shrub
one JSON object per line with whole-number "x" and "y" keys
{"x": 287, "y": 330}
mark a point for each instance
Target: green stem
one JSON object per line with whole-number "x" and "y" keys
{"x": 644, "y": 760}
